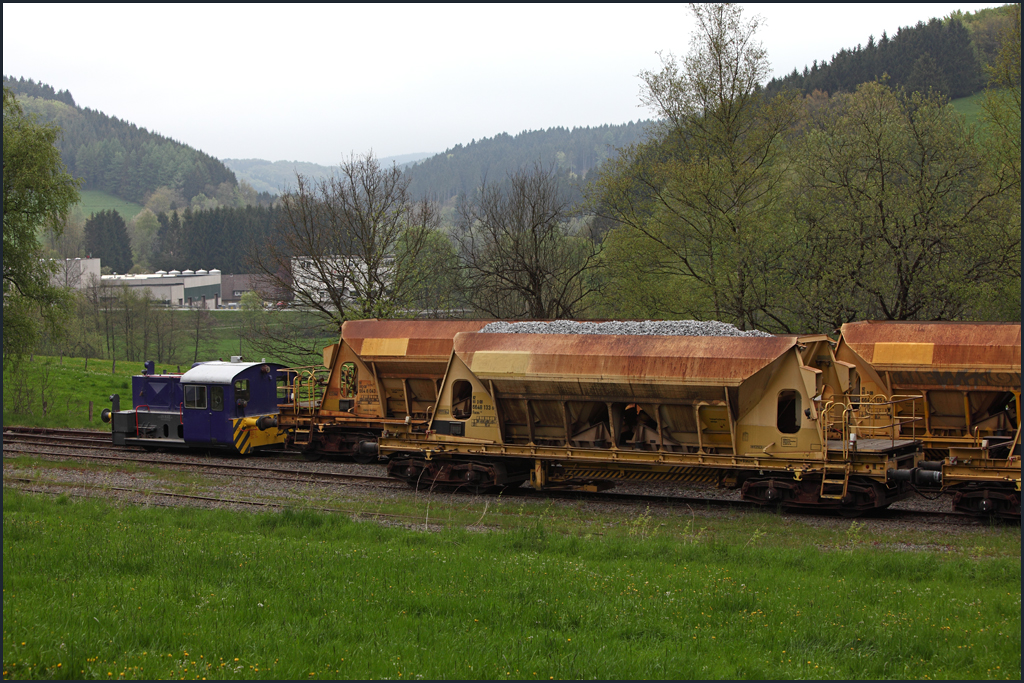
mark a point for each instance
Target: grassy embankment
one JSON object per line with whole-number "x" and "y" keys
{"x": 66, "y": 389}
{"x": 97, "y": 591}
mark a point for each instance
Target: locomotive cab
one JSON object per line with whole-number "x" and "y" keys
{"x": 222, "y": 402}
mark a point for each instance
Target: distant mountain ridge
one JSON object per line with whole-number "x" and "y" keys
{"x": 462, "y": 168}
{"x": 276, "y": 176}
{"x": 949, "y": 55}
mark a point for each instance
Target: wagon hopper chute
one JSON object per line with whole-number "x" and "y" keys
{"x": 961, "y": 383}
{"x": 381, "y": 374}
{"x": 589, "y": 409}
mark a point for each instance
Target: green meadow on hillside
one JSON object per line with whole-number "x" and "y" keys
{"x": 94, "y": 201}
{"x": 970, "y": 107}
{"x": 62, "y": 390}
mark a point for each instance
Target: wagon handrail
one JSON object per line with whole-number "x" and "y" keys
{"x": 304, "y": 387}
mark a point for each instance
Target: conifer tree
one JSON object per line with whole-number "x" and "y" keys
{"x": 106, "y": 238}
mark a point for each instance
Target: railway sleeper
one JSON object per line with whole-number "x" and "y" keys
{"x": 475, "y": 476}
{"x": 984, "y": 500}
{"x": 862, "y": 494}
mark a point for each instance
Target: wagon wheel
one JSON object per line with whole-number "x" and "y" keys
{"x": 312, "y": 456}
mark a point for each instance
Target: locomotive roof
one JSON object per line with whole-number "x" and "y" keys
{"x": 216, "y": 372}
{"x": 721, "y": 361}
{"x": 899, "y": 345}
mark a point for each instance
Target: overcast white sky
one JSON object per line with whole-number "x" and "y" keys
{"x": 313, "y": 83}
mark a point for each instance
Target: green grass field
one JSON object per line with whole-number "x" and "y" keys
{"x": 970, "y": 107}
{"x": 94, "y": 201}
{"x": 66, "y": 388}
{"x": 92, "y": 590}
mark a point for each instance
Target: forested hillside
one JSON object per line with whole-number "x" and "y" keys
{"x": 122, "y": 158}
{"x": 575, "y": 151}
{"x": 459, "y": 170}
{"x": 947, "y": 55}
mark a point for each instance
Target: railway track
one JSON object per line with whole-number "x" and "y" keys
{"x": 16, "y": 440}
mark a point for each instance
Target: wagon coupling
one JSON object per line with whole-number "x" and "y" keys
{"x": 917, "y": 475}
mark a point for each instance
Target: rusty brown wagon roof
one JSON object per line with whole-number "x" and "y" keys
{"x": 412, "y": 339}
{"x": 898, "y": 345}
{"x": 678, "y": 359}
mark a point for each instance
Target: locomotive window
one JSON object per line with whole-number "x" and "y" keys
{"x": 217, "y": 398}
{"x": 195, "y": 396}
{"x": 241, "y": 390}
{"x": 789, "y": 412}
{"x": 462, "y": 400}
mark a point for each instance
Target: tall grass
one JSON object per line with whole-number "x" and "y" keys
{"x": 97, "y": 591}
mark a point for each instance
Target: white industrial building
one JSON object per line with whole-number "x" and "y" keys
{"x": 195, "y": 289}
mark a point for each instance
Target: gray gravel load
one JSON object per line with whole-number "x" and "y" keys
{"x": 685, "y": 328}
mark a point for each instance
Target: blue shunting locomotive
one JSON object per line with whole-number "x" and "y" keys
{"x": 214, "y": 405}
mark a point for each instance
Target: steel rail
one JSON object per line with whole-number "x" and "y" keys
{"x": 222, "y": 466}
{"x": 661, "y": 500}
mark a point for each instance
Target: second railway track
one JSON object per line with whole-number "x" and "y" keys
{"x": 15, "y": 442}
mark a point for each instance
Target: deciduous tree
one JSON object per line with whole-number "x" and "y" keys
{"x": 335, "y": 248}
{"x": 708, "y": 189}
{"x": 38, "y": 193}
{"x": 904, "y": 218}
{"x": 523, "y": 254}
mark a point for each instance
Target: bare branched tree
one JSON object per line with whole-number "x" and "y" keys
{"x": 523, "y": 254}
{"x": 346, "y": 245}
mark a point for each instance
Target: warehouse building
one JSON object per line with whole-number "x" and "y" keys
{"x": 195, "y": 289}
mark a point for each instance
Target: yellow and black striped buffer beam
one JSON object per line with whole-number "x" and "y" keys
{"x": 247, "y": 436}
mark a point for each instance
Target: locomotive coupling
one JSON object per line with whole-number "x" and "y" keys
{"x": 105, "y": 415}
{"x": 266, "y": 422}
{"x": 916, "y": 475}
